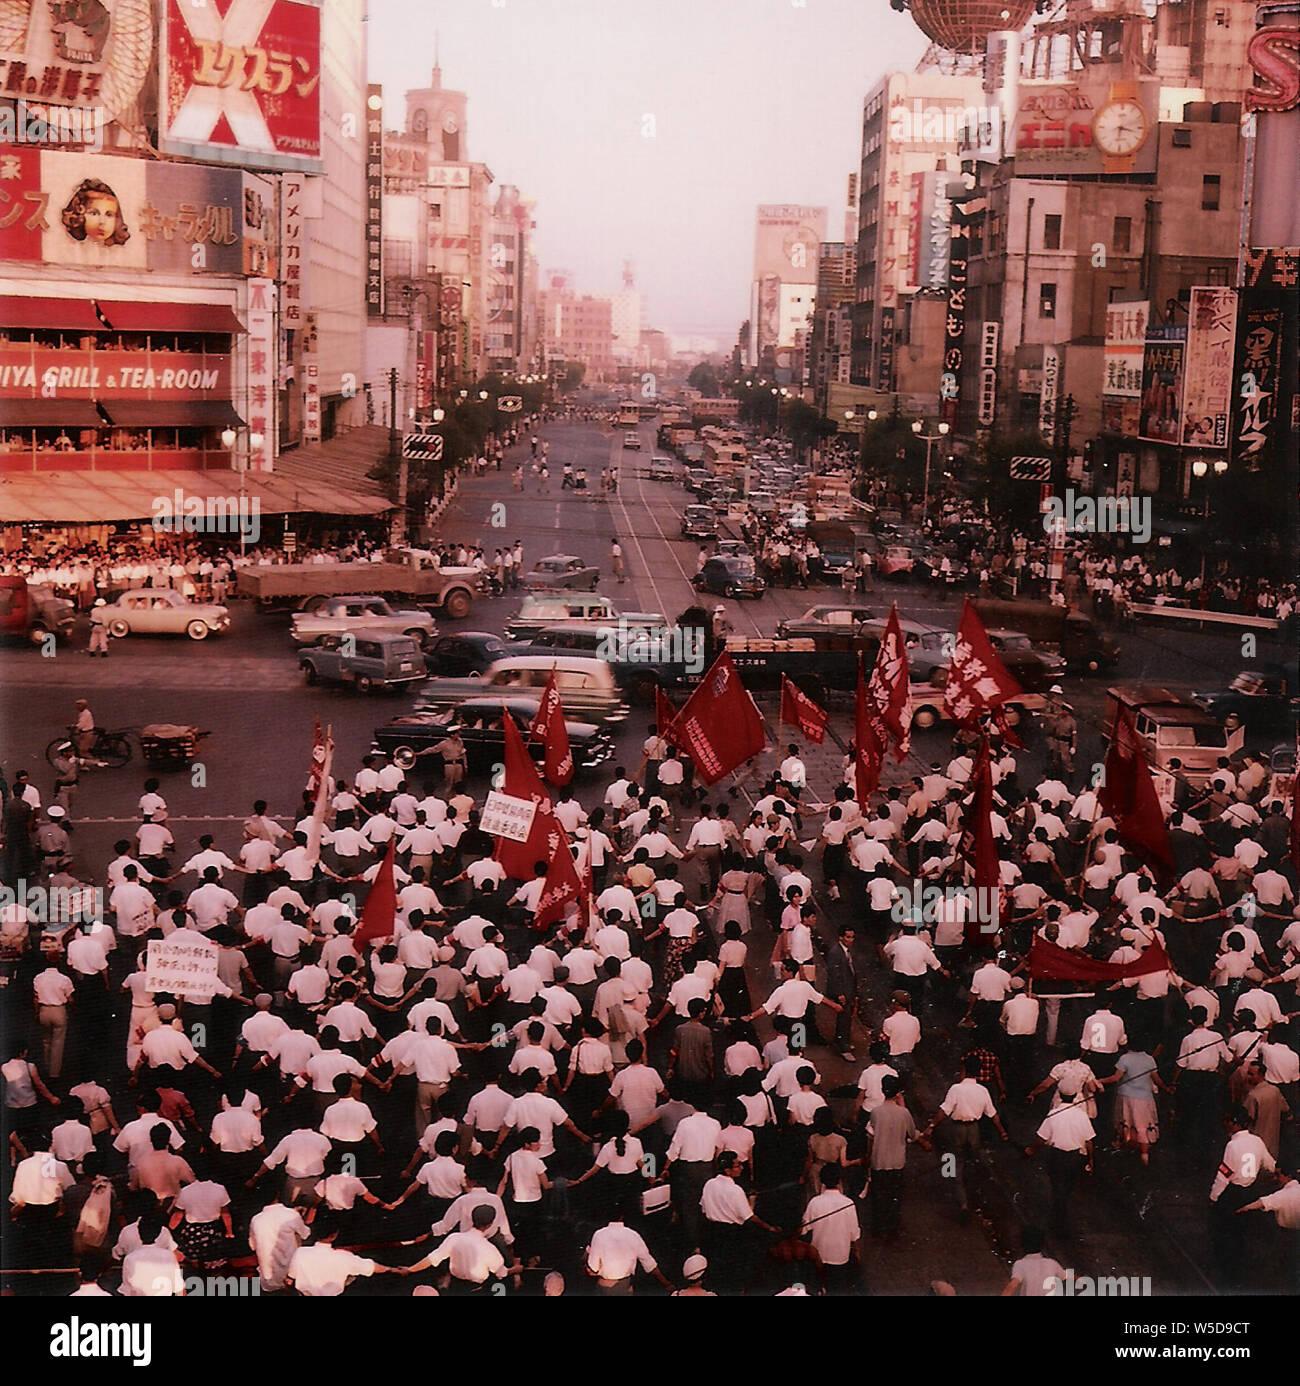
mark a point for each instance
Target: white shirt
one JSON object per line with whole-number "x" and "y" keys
{"x": 324, "y": 1270}
{"x": 616, "y": 1251}
{"x": 833, "y": 1221}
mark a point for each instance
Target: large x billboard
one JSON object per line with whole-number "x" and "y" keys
{"x": 242, "y": 86}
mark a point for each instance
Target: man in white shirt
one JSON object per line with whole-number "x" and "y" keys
{"x": 830, "y": 1222}
{"x": 614, "y": 1254}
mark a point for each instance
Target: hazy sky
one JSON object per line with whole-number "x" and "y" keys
{"x": 753, "y": 101}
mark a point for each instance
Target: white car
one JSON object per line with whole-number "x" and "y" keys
{"x": 339, "y": 615}
{"x": 161, "y": 611}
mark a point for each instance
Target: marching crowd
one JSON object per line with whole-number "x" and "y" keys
{"x": 647, "y": 1094}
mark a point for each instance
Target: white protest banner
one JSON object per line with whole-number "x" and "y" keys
{"x": 186, "y": 968}
{"x": 506, "y": 816}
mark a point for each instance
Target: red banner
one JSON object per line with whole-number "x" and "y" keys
{"x": 1128, "y": 793}
{"x": 720, "y": 728}
{"x": 521, "y": 781}
{"x": 868, "y": 747}
{"x": 1047, "y": 960}
{"x": 799, "y": 710}
{"x": 379, "y": 913}
{"x": 982, "y": 853}
{"x": 887, "y": 691}
{"x": 562, "y": 886}
{"x": 977, "y": 679}
{"x": 548, "y": 726}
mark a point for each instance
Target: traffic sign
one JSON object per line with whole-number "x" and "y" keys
{"x": 1031, "y": 469}
{"x": 422, "y": 447}
{"x": 510, "y": 404}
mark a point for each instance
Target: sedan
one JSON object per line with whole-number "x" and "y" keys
{"x": 464, "y": 654}
{"x": 160, "y": 611}
{"x": 734, "y": 576}
{"x": 1257, "y": 699}
{"x": 339, "y": 615}
{"x": 632, "y": 442}
{"x": 817, "y": 620}
{"x": 699, "y": 522}
{"x": 412, "y": 737}
{"x": 563, "y": 570}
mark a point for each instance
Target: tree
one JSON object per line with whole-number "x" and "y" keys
{"x": 704, "y": 379}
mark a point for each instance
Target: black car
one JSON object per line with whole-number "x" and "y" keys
{"x": 1263, "y": 698}
{"x": 732, "y": 575}
{"x": 410, "y": 739}
{"x": 463, "y": 654}
{"x": 699, "y": 522}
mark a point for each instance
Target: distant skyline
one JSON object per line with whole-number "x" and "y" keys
{"x": 752, "y": 101}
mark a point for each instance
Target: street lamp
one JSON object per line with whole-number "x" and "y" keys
{"x": 229, "y": 438}
{"x": 929, "y": 439}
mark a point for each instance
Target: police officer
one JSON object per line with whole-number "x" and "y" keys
{"x": 53, "y": 844}
{"x": 1062, "y": 732}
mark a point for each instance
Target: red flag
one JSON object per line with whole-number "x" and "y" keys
{"x": 868, "y": 747}
{"x": 720, "y": 728}
{"x": 977, "y": 837}
{"x": 1063, "y": 964}
{"x": 379, "y": 913}
{"x": 521, "y": 781}
{"x": 549, "y": 726}
{"x": 562, "y": 886}
{"x": 977, "y": 679}
{"x": 799, "y": 710}
{"x": 665, "y": 712}
{"x": 887, "y": 691}
{"x": 1128, "y": 793}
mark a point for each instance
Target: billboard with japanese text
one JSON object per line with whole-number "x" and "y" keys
{"x": 241, "y": 83}
{"x": 104, "y": 211}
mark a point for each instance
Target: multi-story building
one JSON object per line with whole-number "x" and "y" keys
{"x": 577, "y": 327}
{"x": 783, "y": 289}
{"x": 831, "y": 342}
{"x": 512, "y": 221}
{"x": 911, "y": 129}
{"x": 1065, "y": 227}
{"x": 211, "y": 316}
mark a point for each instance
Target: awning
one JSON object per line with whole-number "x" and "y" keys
{"x": 94, "y": 497}
{"x": 172, "y": 413}
{"x": 342, "y": 462}
{"x": 49, "y": 413}
{"x": 30, "y": 313}
{"x": 170, "y": 317}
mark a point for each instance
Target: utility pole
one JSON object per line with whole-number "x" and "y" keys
{"x": 395, "y": 452}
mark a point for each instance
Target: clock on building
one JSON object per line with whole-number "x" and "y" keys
{"x": 1120, "y": 128}
{"x": 449, "y": 123}
{"x": 420, "y": 121}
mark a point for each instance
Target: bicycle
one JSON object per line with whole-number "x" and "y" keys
{"x": 110, "y": 749}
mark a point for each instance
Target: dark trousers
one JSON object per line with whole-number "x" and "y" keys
{"x": 886, "y": 1198}
{"x": 1063, "y": 1170}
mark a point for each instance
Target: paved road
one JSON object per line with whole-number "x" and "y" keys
{"x": 247, "y": 690}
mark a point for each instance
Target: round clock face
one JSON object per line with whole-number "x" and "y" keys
{"x": 1120, "y": 127}
{"x": 449, "y": 123}
{"x": 420, "y": 122}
